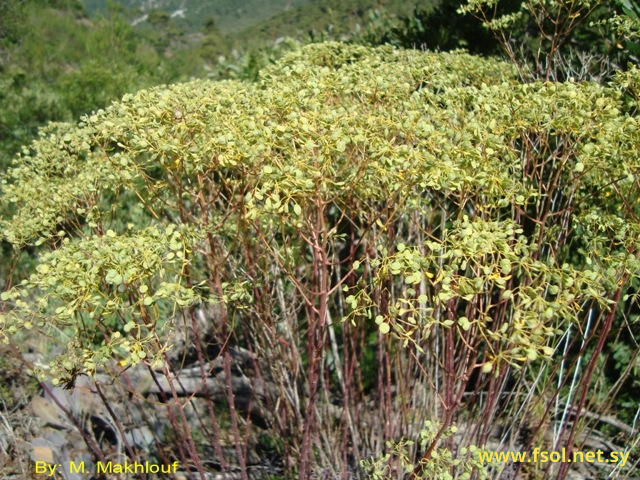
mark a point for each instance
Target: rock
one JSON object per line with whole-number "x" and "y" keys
{"x": 42, "y": 451}
{"x": 49, "y": 413}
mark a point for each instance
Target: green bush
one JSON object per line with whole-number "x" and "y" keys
{"x": 484, "y": 230}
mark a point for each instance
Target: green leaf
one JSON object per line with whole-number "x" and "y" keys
{"x": 505, "y": 266}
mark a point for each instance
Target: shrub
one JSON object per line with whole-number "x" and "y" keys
{"x": 475, "y": 233}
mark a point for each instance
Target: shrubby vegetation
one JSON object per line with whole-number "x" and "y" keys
{"x": 426, "y": 253}
{"x": 56, "y": 65}
{"x": 231, "y": 15}
{"x": 419, "y": 233}
{"x": 562, "y": 40}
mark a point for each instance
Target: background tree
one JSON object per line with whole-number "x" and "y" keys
{"x": 433, "y": 27}
{"x": 560, "y": 40}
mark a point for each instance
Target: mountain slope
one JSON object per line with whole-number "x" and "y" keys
{"x": 337, "y": 18}
{"x": 229, "y": 15}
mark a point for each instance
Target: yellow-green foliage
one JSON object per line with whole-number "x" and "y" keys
{"x": 473, "y": 204}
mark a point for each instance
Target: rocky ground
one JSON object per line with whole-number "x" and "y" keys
{"x": 53, "y": 426}
{"x": 61, "y": 427}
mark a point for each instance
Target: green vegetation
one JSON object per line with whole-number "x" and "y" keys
{"x": 59, "y": 65}
{"x": 327, "y": 20}
{"x": 423, "y": 253}
{"x": 341, "y": 184}
{"x": 579, "y": 39}
{"x": 231, "y": 15}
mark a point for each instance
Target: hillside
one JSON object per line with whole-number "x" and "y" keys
{"x": 335, "y": 18}
{"x": 253, "y": 23}
{"x": 230, "y": 15}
